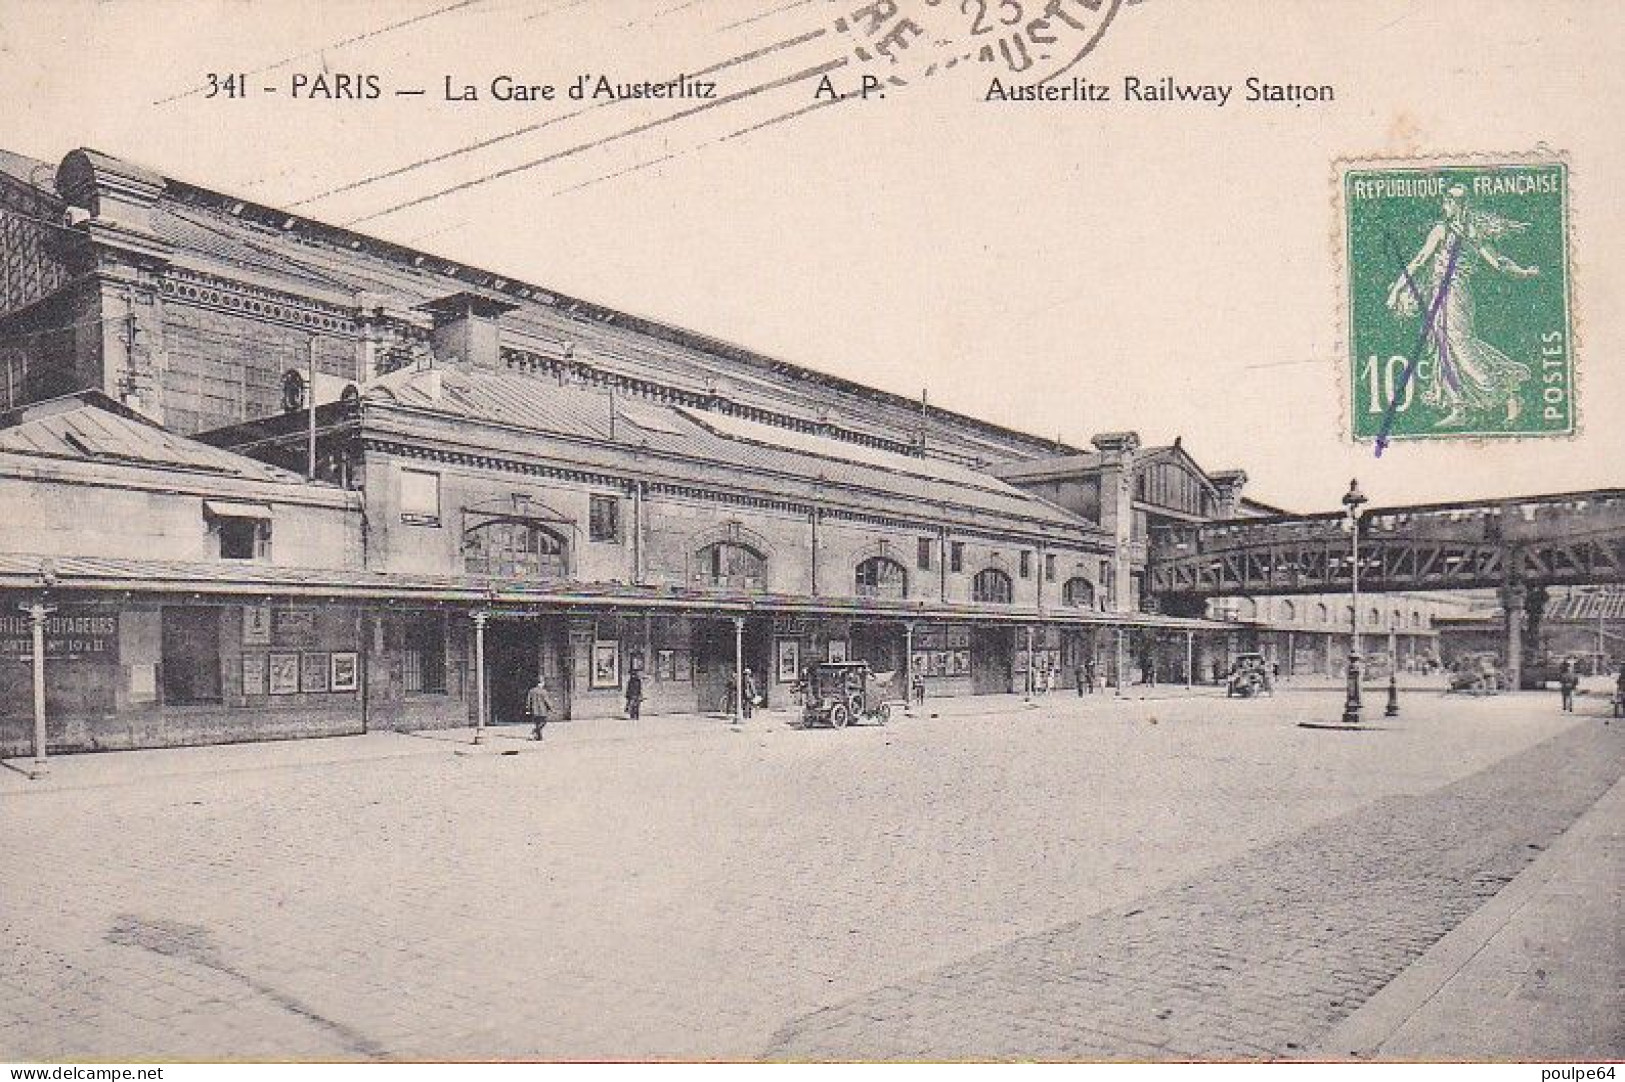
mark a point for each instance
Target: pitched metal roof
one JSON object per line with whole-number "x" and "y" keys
{"x": 89, "y": 427}
{"x": 765, "y": 457}
{"x": 314, "y": 255}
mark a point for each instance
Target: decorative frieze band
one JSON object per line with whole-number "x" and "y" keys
{"x": 225, "y": 295}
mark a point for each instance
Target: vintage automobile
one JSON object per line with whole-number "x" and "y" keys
{"x": 1249, "y": 676}
{"x": 841, "y": 692}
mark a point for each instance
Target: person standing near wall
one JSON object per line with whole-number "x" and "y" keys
{"x": 538, "y": 707}
{"x": 1567, "y": 681}
{"x": 634, "y": 695}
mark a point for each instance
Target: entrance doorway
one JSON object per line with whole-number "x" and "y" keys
{"x": 714, "y": 661}
{"x": 515, "y": 651}
{"x": 991, "y": 661}
{"x": 881, "y": 645}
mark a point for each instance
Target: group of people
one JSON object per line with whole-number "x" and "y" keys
{"x": 539, "y": 705}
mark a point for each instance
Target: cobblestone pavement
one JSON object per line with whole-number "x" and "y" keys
{"x": 1035, "y": 883}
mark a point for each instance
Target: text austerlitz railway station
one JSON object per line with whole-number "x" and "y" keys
{"x": 499, "y": 472}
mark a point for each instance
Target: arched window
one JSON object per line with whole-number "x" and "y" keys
{"x": 992, "y": 586}
{"x": 1247, "y": 609}
{"x": 1348, "y": 616}
{"x": 1289, "y": 611}
{"x": 514, "y": 548}
{"x": 733, "y": 566}
{"x": 879, "y": 576}
{"x": 1416, "y": 618}
{"x": 1322, "y": 613}
{"x": 1374, "y": 617}
{"x": 1079, "y": 592}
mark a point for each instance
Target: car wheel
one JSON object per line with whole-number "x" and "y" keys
{"x": 839, "y": 716}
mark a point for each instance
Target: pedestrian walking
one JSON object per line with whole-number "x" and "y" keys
{"x": 634, "y": 695}
{"x": 1089, "y": 675}
{"x": 918, "y": 688}
{"x": 750, "y": 692}
{"x": 1567, "y": 681}
{"x": 730, "y": 695}
{"x": 538, "y": 707}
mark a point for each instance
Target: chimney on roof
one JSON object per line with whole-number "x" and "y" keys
{"x": 467, "y": 328}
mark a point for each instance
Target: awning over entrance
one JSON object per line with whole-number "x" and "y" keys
{"x": 21, "y": 571}
{"x": 230, "y": 509}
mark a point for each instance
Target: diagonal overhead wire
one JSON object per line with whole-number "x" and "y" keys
{"x": 353, "y": 39}
{"x": 681, "y": 114}
{"x": 528, "y": 129}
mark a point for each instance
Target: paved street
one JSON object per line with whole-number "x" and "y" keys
{"x": 1146, "y": 879}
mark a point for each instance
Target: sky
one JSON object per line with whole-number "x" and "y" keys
{"x": 1064, "y": 268}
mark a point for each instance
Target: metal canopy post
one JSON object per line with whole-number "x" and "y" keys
{"x": 908, "y": 667}
{"x": 739, "y": 669}
{"x": 1031, "y": 663}
{"x": 480, "y": 704}
{"x": 37, "y": 611}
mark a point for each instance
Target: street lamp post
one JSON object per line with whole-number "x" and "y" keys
{"x": 1353, "y": 500}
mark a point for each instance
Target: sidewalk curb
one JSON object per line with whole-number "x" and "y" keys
{"x": 1361, "y": 1036}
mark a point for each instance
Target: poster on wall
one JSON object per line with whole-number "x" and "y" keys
{"x": 284, "y": 674}
{"x": 344, "y": 671}
{"x": 606, "y": 664}
{"x": 961, "y": 663}
{"x": 789, "y": 661}
{"x": 665, "y": 669}
{"x": 254, "y": 674}
{"x": 837, "y": 649}
{"x": 313, "y": 672}
{"x": 293, "y": 627}
{"x": 683, "y": 669}
{"x": 256, "y": 625}
{"x": 921, "y": 663}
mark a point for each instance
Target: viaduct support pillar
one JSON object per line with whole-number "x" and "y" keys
{"x": 1513, "y": 600}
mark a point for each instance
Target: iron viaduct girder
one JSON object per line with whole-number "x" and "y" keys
{"x": 1554, "y": 540}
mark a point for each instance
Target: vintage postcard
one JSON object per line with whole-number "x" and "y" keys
{"x": 811, "y": 531}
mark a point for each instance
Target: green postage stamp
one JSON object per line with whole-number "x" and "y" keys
{"x": 1458, "y": 307}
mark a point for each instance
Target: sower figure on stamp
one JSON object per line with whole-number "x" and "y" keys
{"x": 634, "y": 695}
{"x": 1466, "y": 372}
{"x": 538, "y": 707}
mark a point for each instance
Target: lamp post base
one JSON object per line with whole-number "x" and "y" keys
{"x": 1351, "y": 703}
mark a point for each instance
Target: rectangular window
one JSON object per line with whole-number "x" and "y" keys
{"x": 1049, "y": 568}
{"x": 923, "y": 558}
{"x": 244, "y": 538}
{"x": 424, "y": 669}
{"x": 1026, "y": 564}
{"x": 956, "y": 556}
{"x": 604, "y": 519}
{"x": 420, "y": 497}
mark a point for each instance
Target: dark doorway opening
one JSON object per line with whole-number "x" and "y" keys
{"x": 190, "y": 650}
{"x": 714, "y": 661}
{"x": 516, "y": 650}
{"x": 991, "y": 660}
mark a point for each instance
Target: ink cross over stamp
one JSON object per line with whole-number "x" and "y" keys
{"x": 1458, "y": 317}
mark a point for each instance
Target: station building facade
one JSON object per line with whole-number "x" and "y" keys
{"x": 490, "y": 471}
